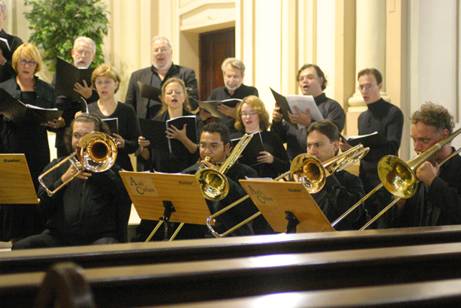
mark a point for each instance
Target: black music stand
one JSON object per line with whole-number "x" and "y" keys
{"x": 167, "y": 197}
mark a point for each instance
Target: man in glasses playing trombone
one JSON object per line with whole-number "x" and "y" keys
{"x": 437, "y": 200}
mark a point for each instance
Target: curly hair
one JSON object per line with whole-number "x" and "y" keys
{"x": 434, "y": 115}
{"x": 257, "y": 104}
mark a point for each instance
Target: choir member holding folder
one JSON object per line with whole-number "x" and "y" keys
{"x": 126, "y": 130}
{"x": 26, "y": 135}
{"x": 272, "y": 159}
{"x": 73, "y": 86}
{"x": 169, "y": 140}
{"x": 311, "y": 81}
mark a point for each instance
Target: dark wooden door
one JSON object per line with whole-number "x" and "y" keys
{"x": 214, "y": 48}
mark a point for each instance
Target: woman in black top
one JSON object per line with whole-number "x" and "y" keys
{"x": 25, "y": 135}
{"x": 175, "y": 104}
{"x": 252, "y": 117}
{"x": 127, "y": 129}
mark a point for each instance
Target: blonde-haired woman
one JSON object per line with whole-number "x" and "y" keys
{"x": 26, "y": 135}
{"x": 175, "y": 103}
{"x": 252, "y": 117}
{"x": 107, "y": 81}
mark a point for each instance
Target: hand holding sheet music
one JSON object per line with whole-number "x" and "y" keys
{"x": 368, "y": 140}
{"x": 17, "y": 111}
{"x": 67, "y": 75}
{"x": 219, "y": 108}
{"x": 295, "y": 108}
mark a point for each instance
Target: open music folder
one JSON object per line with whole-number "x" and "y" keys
{"x": 148, "y": 192}
{"x": 274, "y": 199}
{"x": 67, "y": 75}
{"x": 16, "y": 186}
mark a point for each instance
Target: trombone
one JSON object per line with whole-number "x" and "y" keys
{"x": 213, "y": 182}
{"x": 96, "y": 152}
{"x": 304, "y": 168}
{"x": 399, "y": 177}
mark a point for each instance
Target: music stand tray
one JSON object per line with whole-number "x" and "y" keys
{"x": 150, "y": 191}
{"x": 277, "y": 199}
{"x": 16, "y": 186}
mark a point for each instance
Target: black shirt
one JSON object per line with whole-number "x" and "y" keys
{"x": 341, "y": 191}
{"x": 387, "y": 120}
{"x": 6, "y": 70}
{"x": 439, "y": 204}
{"x": 128, "y": 128}
{"x": 84, "y": 211}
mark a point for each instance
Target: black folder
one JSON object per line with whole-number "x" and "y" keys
{"x": 148, "y": 91}
{"x": 17, "y": 111}
{"x": 282, "y": 102}
{"x": 6, "y": 48}
{"x": 252, "y": 150}
{"x": 175, "y": 146}
{"x": 368, "y": 140}
{"x": 67, "y": 75}
{"x": 112, "y": 123}
{"x": 154, "y": 130}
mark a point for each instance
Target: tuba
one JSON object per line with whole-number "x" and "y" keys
{"x": 96, "y": 152}
{"x": 213, "y": 182}
{"x": 304, "y": 168}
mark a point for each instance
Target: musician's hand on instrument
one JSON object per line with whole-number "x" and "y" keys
{"x": 174, "y": 133}
{"x": 72, "y": 172}
{"x": 83, "y": 89}
{"x": 301, "y": 117}
{"x": 265, "y": 157}
{"x": 344, "y": 146}
{"x": 427, "y": 172}
{"x": 228, "y": 111}
{"x": 277, "y": 115}
{"x": 56, "y": 123}
{"x": 119, "y": 141}
{"x": 143, "y": 142}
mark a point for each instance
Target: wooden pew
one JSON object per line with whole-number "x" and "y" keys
{"x": 170, "y": 283}
{"x": 439, "y": 293}
{"x": 179, "y": 251}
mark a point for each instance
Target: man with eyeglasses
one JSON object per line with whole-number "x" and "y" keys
{"x": 387, "y": 120}
{"x": 311, "y": 81}
{"x": 215, "y": 144}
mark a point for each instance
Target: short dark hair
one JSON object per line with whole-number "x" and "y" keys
{"x": 325, "y": 127}
{"x": 216, "y": 127}
{"x": 434, "y": 115}
{"x": 319, "y": 71}
{"x": 99, "y": 126}
{"x": 371, "y": 71}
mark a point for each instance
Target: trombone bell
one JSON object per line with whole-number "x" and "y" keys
{"x": 397, "y": 177}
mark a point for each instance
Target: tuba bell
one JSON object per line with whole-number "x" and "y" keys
{"x": 96, "y": 152}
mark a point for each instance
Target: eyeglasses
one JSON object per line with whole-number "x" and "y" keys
{"x": 248, "y": 114}
{"x": 27, "y": 62}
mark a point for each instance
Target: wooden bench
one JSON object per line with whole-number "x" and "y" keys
{"x": 190, "y": 250}
{"x": 439, "y": 293}
{"x": 170, "y": 283}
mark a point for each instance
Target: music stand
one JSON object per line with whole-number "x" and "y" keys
{"x": 16, "y": 186}
{"x": 287, "y": 206}
{"x": 166, "y": 197}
